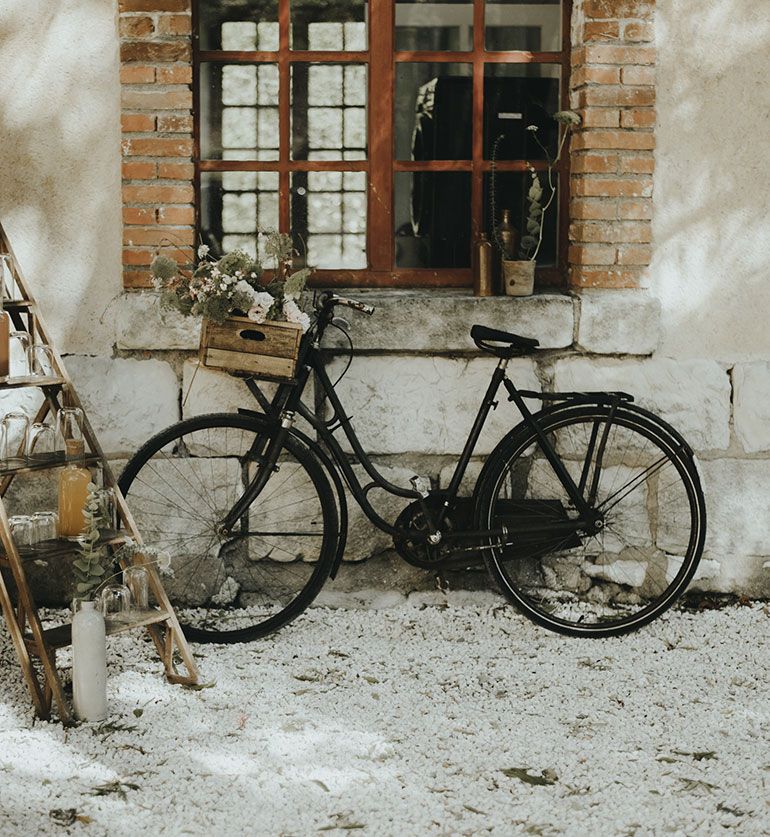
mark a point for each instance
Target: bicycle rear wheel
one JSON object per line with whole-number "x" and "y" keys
{"x": 181, "y": 484}
{"x": 649, "y": 494}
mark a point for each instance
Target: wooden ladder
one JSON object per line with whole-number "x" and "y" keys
{"x": 35, "y": 646}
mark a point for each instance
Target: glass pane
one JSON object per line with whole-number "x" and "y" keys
{"x": 329, "y": 26}
{"x": 432, "y": 219}
{"x": 328, "y": 217}
{"x": 239, "y": 111}
{"x": 533, "y": 25}
{"x": 238, "y": 24}
{"x": 511, "y": 193}
{"x": 429, "y": 25}
{"x": 328, "y": 111}
{"x": 234, "y": 206}
{"x": 433, "y": 111}
{"x": 515, "y": 97}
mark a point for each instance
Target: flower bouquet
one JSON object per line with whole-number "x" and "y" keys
{"x": 251, "y": 324}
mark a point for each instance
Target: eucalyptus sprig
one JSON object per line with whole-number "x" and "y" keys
{"x": 91, "y": 565}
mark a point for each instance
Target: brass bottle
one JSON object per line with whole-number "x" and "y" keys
{"x": 482, "y": 267}
{"x": 508, "y": 237}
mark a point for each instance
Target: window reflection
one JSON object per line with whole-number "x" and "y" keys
{"x": 328, "y": 26}
{"x": 432, "y": 213}
{"x": 532, "y": 25}
{"x": 433, "y": 26}
{"x": 238, "y": 24}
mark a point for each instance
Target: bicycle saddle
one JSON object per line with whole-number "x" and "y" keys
{"x": 516, "y": 345}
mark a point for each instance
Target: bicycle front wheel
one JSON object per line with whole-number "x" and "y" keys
{"x": 179, "y": 487}
{"x": 654, "y": 520}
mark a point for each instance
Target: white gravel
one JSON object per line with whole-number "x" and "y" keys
{"x": 416, "y": 718}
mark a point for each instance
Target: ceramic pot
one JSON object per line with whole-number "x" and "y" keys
{"x": 89, "y": 663}
{"x": 518, "y": 277}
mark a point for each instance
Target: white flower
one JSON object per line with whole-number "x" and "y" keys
{"x": 243, "y": 287}
{"x": 203, "y": 251}
{"x": 293, "y": 314}
{"x": 262, "y": 304}
{"x": 532, "y": 127}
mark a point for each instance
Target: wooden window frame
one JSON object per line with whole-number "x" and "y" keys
{"x": 382, "y": 164}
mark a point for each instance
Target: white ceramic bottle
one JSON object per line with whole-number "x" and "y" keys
{"x": 89, "y": 663}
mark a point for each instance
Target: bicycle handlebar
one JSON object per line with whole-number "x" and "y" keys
{"x": 331, "y": 299}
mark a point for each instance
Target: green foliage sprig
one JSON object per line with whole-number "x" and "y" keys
{"x": 90, "y": 566}
{"x": 236, "y": 284}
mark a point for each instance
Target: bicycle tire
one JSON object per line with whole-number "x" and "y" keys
{"x": 644, "y": 577}
{"x": 181, "y": 483}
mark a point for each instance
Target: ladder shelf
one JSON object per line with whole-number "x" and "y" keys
{"x": 36, "y": 646}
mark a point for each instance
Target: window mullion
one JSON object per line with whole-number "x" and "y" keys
{"x": 380, "y": 127}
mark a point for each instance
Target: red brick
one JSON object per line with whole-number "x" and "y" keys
{"x": 136, "y": 74}
{"x": 154, "y": 5}
{"x": 176, "y": 214}
{"x": 594, "y": 163}
{"x": 603, "y": 9}
{"x": 180, "y": 193}
{"x": 174, "y": 24}
{"x": 638, "y": 32}
{"x": 138, "y": 236}
{"x": 149, "y": 51}
{"x": 593, "y": 209}
{"x": 639, "y": 209}
{"x": 638, "y": 118}
{"x": 638, "y": 75}
{"x": 157, "y": 147}
{"x": 595, "y": 75}
{"x": 133, "y": 170}
{"x": 176, "y": 171}
{"x": 604, "y": 30}
{"x": 136, "y": 26}
{"x": 169, "y": 124}
{"x": 609, "y": 54}
{"x": 612, "y": 95}
{"x": 175, "y": 75}
{"x": 639, "y": 254}
{"x": 138, "y": 215}
{"x": 612, "y": 232}
{"x": 612, "y": 187}
{"x": 600, "y": 117}
{"x": 145, "y": 98}
{"x": 637, "y": 164}
{"x": 137, "y": 278}
{"x": 591, "y": 254}
{"x": 628, "y": 277}
{"x": 632, "y": 140}
{"x": 142, "y": 257}
{"x": 136, "y": 122}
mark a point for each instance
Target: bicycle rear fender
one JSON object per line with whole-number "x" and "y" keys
{"x": 677, "y": 440}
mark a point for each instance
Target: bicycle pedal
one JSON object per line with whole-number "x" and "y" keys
{"x": 421, "y": 485}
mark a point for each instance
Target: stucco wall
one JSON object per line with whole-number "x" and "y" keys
{"x": 711, "y": 227}
{"x": 60, "y": 159}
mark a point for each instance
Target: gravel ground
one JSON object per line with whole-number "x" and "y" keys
{"x": 439, "y": 715}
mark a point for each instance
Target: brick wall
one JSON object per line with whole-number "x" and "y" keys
{"x": 156, "y": 78}
{"x": 613, "y": 89}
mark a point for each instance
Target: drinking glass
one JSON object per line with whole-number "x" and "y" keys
{"x": 45, "y": 525}
{"x": 69, "y": 429}
{"x": 137, "y": 580}
{"x": 14, "y": 432}
{"x": 41, "y": 442}
{"x": 19, "y": 354}
{"x": 115, "y": 602}
{"x": 40, "y": 360}
{"x": 22, "y": 530}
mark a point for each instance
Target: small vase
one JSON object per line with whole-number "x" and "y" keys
{"x": 518, "y": 277}
{"x": 89, "y": 663}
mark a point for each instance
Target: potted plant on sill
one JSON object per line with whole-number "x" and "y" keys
{"x": 518, "y": 275}
{"x": 251, "y": 324}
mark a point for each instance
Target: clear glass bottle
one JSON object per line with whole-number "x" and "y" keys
{"x": 89, "y": 662}
{"x": 5, "y": 323}
{"x": 73, "y": 491}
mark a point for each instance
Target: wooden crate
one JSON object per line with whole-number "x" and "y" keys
{"x": 265, "y": 350}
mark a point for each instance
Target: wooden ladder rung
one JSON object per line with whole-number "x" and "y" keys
{"x": 61, "y": 636}
{"x": 59, "y": 547}
{"x": 46, "y": 464}
{"x": 18, "y": 304}
{"x": 32, "y": 381}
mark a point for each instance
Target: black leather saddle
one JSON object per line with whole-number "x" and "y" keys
{"x": 515, "y": 345}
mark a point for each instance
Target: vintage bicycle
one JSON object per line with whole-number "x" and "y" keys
{"x": 588, "y": 514}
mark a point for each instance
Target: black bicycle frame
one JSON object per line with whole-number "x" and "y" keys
{"x": 287, "y": 403}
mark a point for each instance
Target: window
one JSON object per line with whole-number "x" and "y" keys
{"x": 369, "y": 129}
